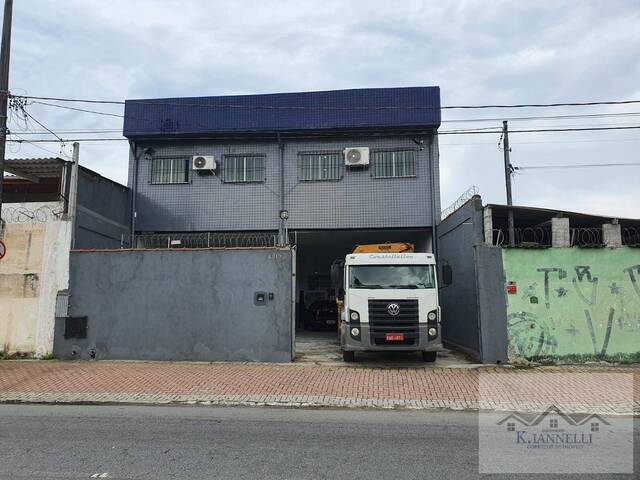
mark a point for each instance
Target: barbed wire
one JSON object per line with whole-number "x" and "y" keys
{"x": 461, "y": 200}
{"x": 42, "y": 214}
{"x": 587, "y": 237}
{"x": 200, "y": 240}
{"x": 578, "y": 237}
{"x": 531, "y": 237}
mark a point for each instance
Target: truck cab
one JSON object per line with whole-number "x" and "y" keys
{"x": 390, "y": 303}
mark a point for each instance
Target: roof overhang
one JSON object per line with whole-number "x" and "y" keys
{"x": 35, "y": 169}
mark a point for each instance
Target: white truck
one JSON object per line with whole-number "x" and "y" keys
{"x": 390, "y": 302}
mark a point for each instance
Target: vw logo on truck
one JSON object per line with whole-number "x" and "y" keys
{"x": 393, "y": 309}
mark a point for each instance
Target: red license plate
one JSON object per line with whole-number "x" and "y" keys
{"x": 394, "y": 337}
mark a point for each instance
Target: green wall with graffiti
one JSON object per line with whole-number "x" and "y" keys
{"x": 575, "y": 303}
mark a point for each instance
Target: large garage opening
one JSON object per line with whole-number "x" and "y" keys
{"x": 316, "y": 312}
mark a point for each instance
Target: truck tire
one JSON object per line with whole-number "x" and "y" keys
{"x": 429, "y": 356}
{"x": 348, "y": 356}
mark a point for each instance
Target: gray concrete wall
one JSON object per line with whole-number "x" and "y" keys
{"x": 457, "y": 234}
{"x": 492, "y": 304}
{"x": 357, "y": 200}
{"x": 102, "y": 213}
{"x": 474, "y": 316}
{"x": 180, "y": 305}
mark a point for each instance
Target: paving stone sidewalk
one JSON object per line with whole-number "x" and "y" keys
{"x": 604, "y": 390}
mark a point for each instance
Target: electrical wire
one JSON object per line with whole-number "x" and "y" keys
{"x": 586, "y": 165}
{"x": 280, "y": 107}
{"x": 517, "y": 143}
{"x": 42, "y": 125}
{"x": 78, "y": 109}
{"x": 472, "y": 120}
{"x": 585, "y": 129}
{"x": 456, "y": 132}
{"x": 39, "y": 146}
{"x": 548, "y": 117}
{"x": 41, "y": 132}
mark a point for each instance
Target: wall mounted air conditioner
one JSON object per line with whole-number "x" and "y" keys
{"x": 356, "y": 156}
{"x": 203, "y": 162}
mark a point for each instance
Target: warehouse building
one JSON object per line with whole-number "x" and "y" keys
{"x": 322, "y": 171}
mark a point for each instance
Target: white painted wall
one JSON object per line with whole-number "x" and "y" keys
{"x": 34, "y": 269}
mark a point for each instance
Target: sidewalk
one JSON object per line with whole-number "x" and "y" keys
{"x": 593, "y": 389}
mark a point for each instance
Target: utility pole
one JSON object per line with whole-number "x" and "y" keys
{"x": 5, "y": 49}
{"x": 508, "y": 170}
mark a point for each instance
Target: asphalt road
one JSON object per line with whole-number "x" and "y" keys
{"x": 77, "y": 442}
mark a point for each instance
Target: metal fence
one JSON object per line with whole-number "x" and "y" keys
{"x": 201, "y": 240}
{"x": 23, "y": 214}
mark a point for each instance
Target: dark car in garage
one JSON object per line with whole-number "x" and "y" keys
{"x": 321, "y": 315}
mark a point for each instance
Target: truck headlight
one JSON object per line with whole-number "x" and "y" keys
{"x": 355, "y": 316}
{"x": 432, "y": 332}
{"x": 355, "y": 332}
{"x": 432, "y": 316}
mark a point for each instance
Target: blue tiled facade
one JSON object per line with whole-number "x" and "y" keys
{"x": 387, "y": 108}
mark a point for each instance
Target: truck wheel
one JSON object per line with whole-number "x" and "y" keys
{"x": 348, "y": 356}
{"x": 429, "y": 356}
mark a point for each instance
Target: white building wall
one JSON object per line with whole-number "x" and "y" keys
{"x": 35, "y": 268}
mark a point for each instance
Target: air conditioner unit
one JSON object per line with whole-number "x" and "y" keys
{"x": 356, "y": 156}
{"x": 203, "y": 162}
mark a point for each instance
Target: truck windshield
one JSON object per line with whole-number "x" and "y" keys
{"x": 392, "y": 276}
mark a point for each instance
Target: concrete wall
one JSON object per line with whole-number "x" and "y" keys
{"x": 180, "y": 305}
{"x": 103, "y": 211}
{"x": 357, "y": 200}
{"x": 573, "y": 302}
{"x": 473, "y": 308}
{"x": 34, "y": 269}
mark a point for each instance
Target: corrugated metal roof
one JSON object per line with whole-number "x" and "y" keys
{"x": 536, "y": 215}
{"x": 35, "y": 167}
{"x": 361, "y": 109}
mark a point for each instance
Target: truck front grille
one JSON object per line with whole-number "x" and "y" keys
{"x": 382, "y": 322}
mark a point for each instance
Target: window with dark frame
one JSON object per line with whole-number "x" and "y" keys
{"x": 320, "y": 166}
{"x": 243, "y": 168}
{"x": 393, "y": 163}
{"x": 169, "y": 170}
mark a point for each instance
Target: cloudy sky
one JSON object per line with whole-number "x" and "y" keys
{"x": 478, "y": 52}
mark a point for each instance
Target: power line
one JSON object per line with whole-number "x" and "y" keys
{"x": 38, "y": 146}
{"x": 79, "y": 109}
{"x": 586, "y": 165}
{"x": 455, "y": 132}
{"x": 543, "y": 105}
{"x": 281, "y": 107}
{"x": 546, "y": 141}
{"x": 42, "y": 125}
{"x": 585, "y": 129}
{"x": 549, "y": 117}
{"x": 40, "y": 132}
{"x": 41, "y": 140}
{"x": 471, "y": 120}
